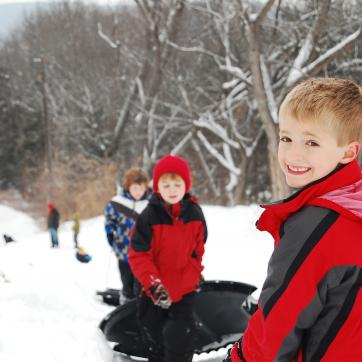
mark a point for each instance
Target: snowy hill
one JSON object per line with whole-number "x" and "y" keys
{"x": 48, "y": 308}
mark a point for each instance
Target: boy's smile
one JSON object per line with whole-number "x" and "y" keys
{"x": 295, "y": 170}
{"x": 308, "y": 151}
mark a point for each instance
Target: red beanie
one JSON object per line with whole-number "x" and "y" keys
{"x": 172, "y": 164}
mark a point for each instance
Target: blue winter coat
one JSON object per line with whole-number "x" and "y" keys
{"x": 121, "y": 213}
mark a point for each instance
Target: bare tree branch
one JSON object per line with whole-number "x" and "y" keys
{"x": 309, "y": 42}
{"x": 325, "y": 58}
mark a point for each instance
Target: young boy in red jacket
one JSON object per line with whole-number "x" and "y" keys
{"x": 165, "y": 256}
{"x": 310, "y": 307}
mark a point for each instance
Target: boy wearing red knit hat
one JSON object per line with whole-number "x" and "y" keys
{"x": 165, "y": 256}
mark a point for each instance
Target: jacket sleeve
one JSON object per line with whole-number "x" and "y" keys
{"x": 110, "y": 224}
{"x": 201, "y": 239}
{"x": 140, "y": 254}
{"x": 56, "y": 219}
{"x": 292, "y": 297}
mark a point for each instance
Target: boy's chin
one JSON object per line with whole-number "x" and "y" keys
{"x": 172, "y": 202}
{"x": 296, "y": 184}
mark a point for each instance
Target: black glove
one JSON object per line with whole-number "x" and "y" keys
{"x": 159, "y": 295}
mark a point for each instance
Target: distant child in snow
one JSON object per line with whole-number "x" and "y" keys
{"x": 76, "y": 228}
{"x": 310, "y": 307}
{"x": 82, "y": 255}
{"x": 121, "y": 213}
{"x": 165, "y": 256}
{"x": 53, "y": 224}
{"x": 8, "y": 239}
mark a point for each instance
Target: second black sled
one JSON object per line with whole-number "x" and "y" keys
{"x": 218, "y": 312}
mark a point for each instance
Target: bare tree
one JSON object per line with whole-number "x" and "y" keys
{"x": 202, "y": 79}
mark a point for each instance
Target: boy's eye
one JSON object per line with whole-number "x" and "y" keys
{"x": 285, "y": 139}
{"x": 312, "y": 143}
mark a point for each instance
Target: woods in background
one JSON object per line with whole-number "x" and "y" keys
{"x": 85, "y": 90}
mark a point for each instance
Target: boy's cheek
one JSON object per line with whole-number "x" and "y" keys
{"x": 280, "y": 158}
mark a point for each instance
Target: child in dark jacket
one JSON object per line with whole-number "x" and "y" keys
{"x": 310, "y": 306}
{"x": 165, "y": 256}
{"x": 53, "y": 224}
{"x": 121, "y": 213}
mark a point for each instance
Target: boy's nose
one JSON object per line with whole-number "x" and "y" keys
{"x": 296, "y": 153}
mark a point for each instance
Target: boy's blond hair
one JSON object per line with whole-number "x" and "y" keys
{"x": 170, "y": 175}
{"x": 134, "y": 175}
{"x": 335, "y": 102}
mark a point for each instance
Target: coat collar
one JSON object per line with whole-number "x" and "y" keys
{"x": 175, "y": 210}
{"x": 276, "y": 213}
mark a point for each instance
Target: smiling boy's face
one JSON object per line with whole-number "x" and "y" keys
{"x": 309, "y": 151}
{"x": 171, "y": 189}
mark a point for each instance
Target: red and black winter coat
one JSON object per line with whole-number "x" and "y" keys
{"x": 53, "y": 219}
{"x": 168, "y": 244}
{"x": 310, "y": 307}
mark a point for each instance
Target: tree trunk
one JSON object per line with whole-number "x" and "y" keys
{"x": 240, "y": 189}
{"x": 278, "y": 185}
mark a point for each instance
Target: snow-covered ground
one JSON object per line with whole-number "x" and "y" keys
{"x": 48, "y": 308}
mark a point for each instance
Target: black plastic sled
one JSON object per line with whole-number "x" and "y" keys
{"x": 220, "y": 318}
{"x": 110, "y": 296}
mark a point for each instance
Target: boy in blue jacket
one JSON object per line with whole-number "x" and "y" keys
{"x": 121, "y": 213}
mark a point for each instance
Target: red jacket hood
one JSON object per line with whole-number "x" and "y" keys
{"x": 346, "y": 200}
{"x": 340, "y": 191}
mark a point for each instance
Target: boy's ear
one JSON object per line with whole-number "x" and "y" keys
{"x": 351, "y": 152}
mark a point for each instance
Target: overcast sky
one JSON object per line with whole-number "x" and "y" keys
{"x": 12, "y": 11}
{"x": 105, "y": 2}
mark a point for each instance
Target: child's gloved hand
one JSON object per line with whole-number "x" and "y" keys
{"x": 201, "y": 280}
{"x": 235, "y": 354}
{"x": 250, "y": 304}
{"x": 159, "y": 295}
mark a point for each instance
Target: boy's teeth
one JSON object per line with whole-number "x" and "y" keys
{"x": 299, "y": 169}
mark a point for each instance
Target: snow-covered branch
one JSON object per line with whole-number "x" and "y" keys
{"x": 309, "y": 42}
{"x": 141, "y": 91}
{"x": 198, "y": 49}
{"x": 146, "y": 12}
{"x": 264, "y": 11}
{"x": 180, "y": 146}
{"x": 273, "y": 108}
{"x": 23, "y": 105}
{"x": 206, "y": 121}
{"x": 233, "y": 178}
{"x": 237, "y": 72}
{"x": 205, "y": 167}
{"x": 214, "y": 152}
{"x": 105, "y": 37}
{"x": 324, "y": 58}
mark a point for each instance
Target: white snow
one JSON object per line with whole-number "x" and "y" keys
{"x": 48, "y": 308}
